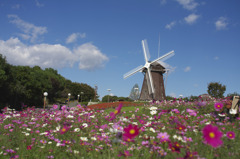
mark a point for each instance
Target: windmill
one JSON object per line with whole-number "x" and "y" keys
{"x": 153, "y": 83}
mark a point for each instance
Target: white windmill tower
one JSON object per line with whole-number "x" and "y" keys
{"x": 153, "y": 83}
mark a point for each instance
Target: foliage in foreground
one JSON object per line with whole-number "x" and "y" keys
{"x": 163, "y": 130}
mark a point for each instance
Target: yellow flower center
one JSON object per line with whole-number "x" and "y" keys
{"x": 63, "y": 129}
{"x": 211, "y": 134}
{"x": 116, "y": 111}
{"x": 162, "y": 136}
{"x": 132, "y": 131}
{"x": 230, "y": 135}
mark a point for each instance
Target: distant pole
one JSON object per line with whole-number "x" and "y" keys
{"x": 81, "y": 96}
{"x": 45, "y": 99}
{"x": 108, "y": 94}
{"x": 69, "y": 94}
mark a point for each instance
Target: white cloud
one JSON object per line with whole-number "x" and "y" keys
{"x": 90, "y": 57}
{"x": 196, "y": 85}
{"x": 187, "y": 69}
{"x": 55, "y": 56}
{"x": 73, "y": 37}
{"x": 16, "y": 6}
{"x": 162, "y": 2}
{"x": 192, "y": 18}
{"x": 31, "y": 31}
{"x": 39, "y": 4}
{"x": 170, "y": 25}
{"x": 173, "y": 95}
{"x": 221, "y": 23}
{"x": 188, "y": 4}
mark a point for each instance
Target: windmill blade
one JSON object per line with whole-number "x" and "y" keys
{"x": 150, "y": 80}
{"x": 164, "y": 57}
{"x": 132, "y": 72}
{"x": 145, "y": 50}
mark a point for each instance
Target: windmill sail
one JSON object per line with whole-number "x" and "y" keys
{"x": 145, "y": 50}
{"x": 164, "y": 57}
{"x": 133, "y": 71}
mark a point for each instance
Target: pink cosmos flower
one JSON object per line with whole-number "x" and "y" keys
{"x": 55, "y": 106}
{"x": 212, "y": 136}
{"x": 125, "y": 154}
{"x": 164, "y": 137}
{"x": 230, "y": 135}
{"x": 191, "y": 112}
{"x": 64, "y": 107}
{"x": 218, "y": 106}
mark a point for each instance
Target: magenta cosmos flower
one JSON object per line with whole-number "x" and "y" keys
{"x": 64, "y": 129}
{"x": 212, "y": 135}
{"x": 230, "y": 135}
{"x": 116, "y": 112}
{"x": 131, "y": 131}
{"x": 218, "y": 106}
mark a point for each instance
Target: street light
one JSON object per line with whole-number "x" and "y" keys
{"x": 78, "y": 98}
{"x": 45, "y": 98}
{"x": 108, "y": 94}
{"x": 69, "y": 94}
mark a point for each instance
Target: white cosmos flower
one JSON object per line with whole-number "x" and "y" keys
{"x": 163, "y": 128}
{"x": 70, "y": 117}
{"x": 93, "y": 116}
{"x": 134, "y": 123}
{"x": 93, "y": 138}
{"x": 58, "y": 128}
{"x": 84, "y": 138}
{"x": 27, "y": 134}
{"x": 153, "y": 108}
{"x": 153, "y": 112}
{"x": 207, "y": 123}
{"x": 152, "y": 130}
{"x": 151, "y": 118}
{"x": 58, "y": 144}
{"x": 85, "y": 125}
{"x": 75, "y": 152}
{"x": 76, "y": 130}
{"x": 44, "y": 125}
{"x": 44, "y": 133}
{"x": 28, "y": 129}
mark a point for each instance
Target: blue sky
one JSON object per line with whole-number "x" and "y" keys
{"x": 96, "y": 42}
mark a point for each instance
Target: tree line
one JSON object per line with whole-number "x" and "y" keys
{"x": 25, "y": 85}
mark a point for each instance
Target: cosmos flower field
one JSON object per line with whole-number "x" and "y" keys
{"x": 177, "y": 129}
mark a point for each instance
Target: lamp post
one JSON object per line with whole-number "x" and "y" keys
{"x": 81, "y": 96}
{"x": 108, "y": 94}
{"x": 69, "y": 94}
{"x": 45, "y": 99}
{"x": 78, "y": 98}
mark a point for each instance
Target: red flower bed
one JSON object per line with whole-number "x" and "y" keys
{"x": 113, "y": 105}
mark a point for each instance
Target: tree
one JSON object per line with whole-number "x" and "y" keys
{"x": 233, "y": 94}
{"x": 215, "y": 89}
{"x": 134, "y": 95}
